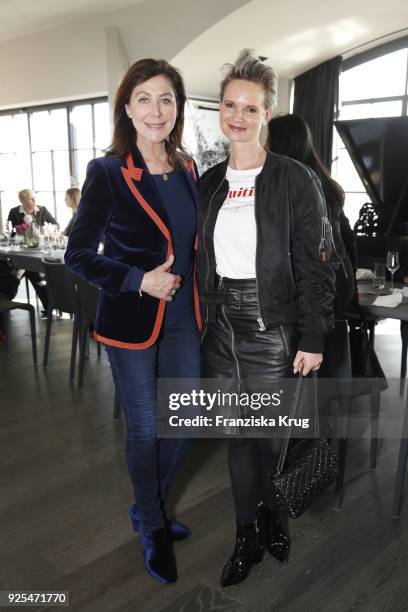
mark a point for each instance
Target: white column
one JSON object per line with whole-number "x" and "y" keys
{"x": 117, "y": 61}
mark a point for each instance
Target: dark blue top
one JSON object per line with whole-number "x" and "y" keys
{"x": 181, "y": 211}
{"x": 178, "y": 202}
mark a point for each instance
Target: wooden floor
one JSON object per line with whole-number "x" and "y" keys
{"x": 64, "y": 497}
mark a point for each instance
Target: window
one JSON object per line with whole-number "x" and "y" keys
{"x": 47, "y": 149}
{"x": 376, "y": 87}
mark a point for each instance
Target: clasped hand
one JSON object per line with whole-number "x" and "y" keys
{"x": 307, "y": 362}
{"x": 160, "y": 283}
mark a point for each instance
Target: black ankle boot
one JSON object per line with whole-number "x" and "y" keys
{"x": 276, "y": 540}
{"x": 247, "y": 552}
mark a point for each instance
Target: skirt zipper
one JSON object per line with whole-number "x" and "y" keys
{"x": 234, "y": 354}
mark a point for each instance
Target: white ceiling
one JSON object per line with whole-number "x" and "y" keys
{"x": 20, "y": 17}
{"x": 294, "y": 35}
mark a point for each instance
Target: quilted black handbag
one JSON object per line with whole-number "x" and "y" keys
{"x": 306, "y": 467}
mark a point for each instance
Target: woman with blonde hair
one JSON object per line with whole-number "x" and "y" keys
{"x": 267, "y": 287}
{"x": 72, "y": 197}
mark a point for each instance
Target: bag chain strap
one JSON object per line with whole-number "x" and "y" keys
{"x": 294, "y": 406}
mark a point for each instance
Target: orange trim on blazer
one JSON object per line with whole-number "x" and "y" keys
{"x": 138, "y": 345}
{"x": 190, "y": 166}
{"x": 131, "y": 172}
{"x": 196, "y": 298}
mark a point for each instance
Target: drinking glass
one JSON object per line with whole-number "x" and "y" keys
{"x": 379, "y": 276}
{"x": 8, "y": 232}
{"x": 393, "y": 265}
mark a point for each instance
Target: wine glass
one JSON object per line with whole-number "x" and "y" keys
{"x": 8, "y": 232}
{"x": 392, "y": 264}
{"x": 47, "y": 231}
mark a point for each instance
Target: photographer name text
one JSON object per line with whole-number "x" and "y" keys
{"x": 251, "y": 421}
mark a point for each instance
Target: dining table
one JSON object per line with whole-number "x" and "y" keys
{"x": 367, "y": 297}
{"x": 29, "y": 258}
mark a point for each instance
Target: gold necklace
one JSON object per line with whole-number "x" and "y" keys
{"x": 164, "y": 173}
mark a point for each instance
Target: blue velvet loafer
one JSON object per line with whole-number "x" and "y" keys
{"x": 158, "y": 555}
{"x": 177, "y": 531}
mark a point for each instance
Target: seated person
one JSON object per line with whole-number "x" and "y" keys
{"x": 29, "y": 206}
{"x": 72, "y": 197}
{"x": 40, "y": 216}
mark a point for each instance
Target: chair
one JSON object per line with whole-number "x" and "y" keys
{"x": 374, "y": 419}
{"x": 27, "y": 286}
{"x": 337, "y": 364}
{"x": 401, "y": 467}
{"x": 87, "y": 300}
{"x": 87, "y": 303}
{"x": 20, "y": 261}
{"x": 62, "y": 296}
{"x": 6, "y": 306}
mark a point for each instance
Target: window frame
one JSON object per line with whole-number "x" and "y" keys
{"x": 357, "y": 60}
{"x": 371, "y": 54}
{"x": 69, "y": 107}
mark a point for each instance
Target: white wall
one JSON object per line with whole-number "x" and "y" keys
{"x": 284, "y": 94}
{"x": 70, "y": 61}
{"x": 117, "y": 61}
{"x": 63, "y": 63}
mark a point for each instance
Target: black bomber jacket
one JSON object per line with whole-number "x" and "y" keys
{"x": 294, "y": 267}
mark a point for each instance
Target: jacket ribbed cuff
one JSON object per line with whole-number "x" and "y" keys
{"x": 311, "y": 343}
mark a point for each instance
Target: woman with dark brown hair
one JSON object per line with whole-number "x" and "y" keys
{"x": 142, "y": 198}
{"x": 290, "y": 135}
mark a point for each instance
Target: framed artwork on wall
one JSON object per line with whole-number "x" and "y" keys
{"x": 202, "y": 133}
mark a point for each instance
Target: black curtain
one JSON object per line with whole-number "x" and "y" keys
{"x": 316, "y": 100}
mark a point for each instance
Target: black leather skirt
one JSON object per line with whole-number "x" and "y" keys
{"x": 236, "y": 348}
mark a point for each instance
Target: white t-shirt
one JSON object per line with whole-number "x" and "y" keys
{"x": 235, "y": 229}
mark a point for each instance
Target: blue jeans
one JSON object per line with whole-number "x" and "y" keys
{"x": 153, "y": 463}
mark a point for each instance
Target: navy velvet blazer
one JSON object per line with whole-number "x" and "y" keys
{"x": 121, "y": 204}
